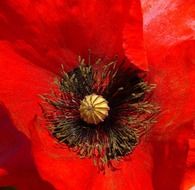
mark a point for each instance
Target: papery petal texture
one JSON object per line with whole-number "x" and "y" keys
{"x": 188, "y": 182}
{"x": 61, "y": 30}
{"x": 167, "y": 23}
{"x": 17, "y": 166}
{"x": 174, "y": 76}
{"x": 71, "y": 172}
{"x": 170, "y": 156}
{"x": 20, "y": 83}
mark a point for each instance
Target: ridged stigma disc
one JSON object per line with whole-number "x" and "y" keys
{"x": 94, "y": 109}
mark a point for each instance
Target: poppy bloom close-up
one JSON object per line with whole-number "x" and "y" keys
{"x": 97, "y": 94}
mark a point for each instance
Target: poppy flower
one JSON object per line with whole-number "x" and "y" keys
{"x": 37, "y": 37}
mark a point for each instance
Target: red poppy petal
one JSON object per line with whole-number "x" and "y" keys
{"x": 170, "y": 155}
{"x": 56, "y": 30}
{"x": 175, "y": 92}
{"x": 21, "y": 83}
{"x": 133, "y": 37}
{"x": 167, "y": 22}
{"x": 71, "y": 172}
{"x": 189, "y": 178}
{"x": 16, "y": 161}
{"x": 58, "y": 165}
{"x": 134, "y": 173}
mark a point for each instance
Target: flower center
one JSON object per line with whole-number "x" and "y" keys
{"x": 100, "y": 110}
{"x": 94, "y": 109}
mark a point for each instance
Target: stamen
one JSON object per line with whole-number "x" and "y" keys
{"x": 100, "y": 110}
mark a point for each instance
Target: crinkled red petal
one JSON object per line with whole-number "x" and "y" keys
{"x": 17, "y": 166}
{"x": 70, "y": 172}
{"x": 170, "y": 156}
{"x": 51, "y": 33}
{"x": 167, "y": 23}
{"x": 133, "y": 37}
{"x": 174, "y": 76}
{"x": 189, "y": 177}
{"x": 21, "y": 83}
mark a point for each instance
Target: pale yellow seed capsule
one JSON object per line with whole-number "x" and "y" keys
{"x": 94, "y": 109}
